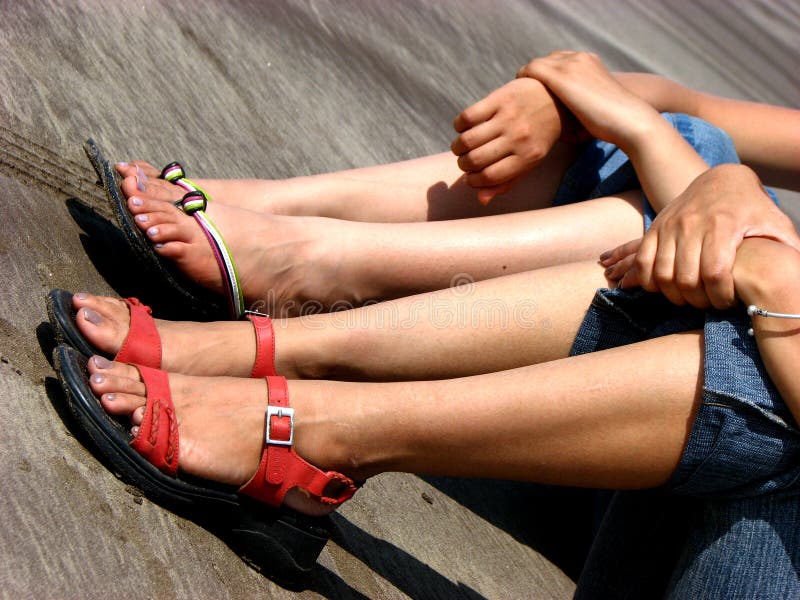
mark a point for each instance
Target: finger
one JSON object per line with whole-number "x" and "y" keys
{"x": 484, "y": 156}
{"x": 687, "y": 278}
{"x": 664, "y": 272}
{"x": 475, "y": 137}
{"x": 481, "y": 111}
{"x": 716, "y": 269}
{"x": 618, "y": 270}
{"x": 645, "y": 258}
{"x": 610, "y": 257}
{"x": 496, "y": 174}
{"x": 630, "y": 279}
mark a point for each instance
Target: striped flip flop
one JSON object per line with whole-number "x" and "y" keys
{"x": 175, "y": 289}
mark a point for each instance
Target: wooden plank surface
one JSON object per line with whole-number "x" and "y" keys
{"x": 270, "y": 89}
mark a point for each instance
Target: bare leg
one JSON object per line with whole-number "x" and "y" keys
{"x": 618, "y": 418}
{"x": 286, "y": 261}
{"x": 489, "y": 326}
{"x": 423, "y": 189}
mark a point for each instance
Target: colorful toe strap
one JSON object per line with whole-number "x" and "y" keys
{"x": 194, "y": 203}
{"x": 157, "y": 440}
{"x": 281, "y": 469}
{"x": 174, "y": 173}
{"x": 142, "y": 345}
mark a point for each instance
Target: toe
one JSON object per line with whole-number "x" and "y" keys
{"x": 101, "y": 365}
{"x": 148, "y": 169}
{"x": 144, "y": 204}
{"x": 122, "y": 404}
{"x": 168, "y": 232}
{"x": 102, "y": 321}
{"x": 138, "y": 415}
{"x": 109, "y": 383}
{"x": 139, "y": 184}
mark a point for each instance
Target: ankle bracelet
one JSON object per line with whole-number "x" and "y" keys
{"x": 754, "y": 310}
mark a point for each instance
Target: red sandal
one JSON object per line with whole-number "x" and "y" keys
{"x": 276, "y": 540}
{"x": 280, "y": 469}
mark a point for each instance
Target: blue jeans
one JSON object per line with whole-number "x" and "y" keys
{"x": 733, "y": 530}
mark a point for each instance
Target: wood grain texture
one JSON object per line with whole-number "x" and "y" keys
{"x": 276, "y": 89}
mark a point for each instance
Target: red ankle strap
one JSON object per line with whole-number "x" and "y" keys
{"x": 142, "y": 345}
{"x": 281, "y": 469}
{"x": 264, "y": 364}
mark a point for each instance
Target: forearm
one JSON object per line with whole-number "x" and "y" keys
{"x": 767, "y": 274}
{"x": 766, "y": 137}
{"x": 665, "y": 163}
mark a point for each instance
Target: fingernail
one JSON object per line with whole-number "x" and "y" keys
{"x": 142, "y": 218}
{"x": 101, "y": 362}
{"x": 81, "y": 295}
{"x": 92, "y": 316}
{"x": 135, "y": 431}
{"x": 605, "y": 255}
{"x": 109, "y": 397}
{"x": 608, "y": 272}
{"x": 159, "y": 246}
{"x": 140, "y": 185}
{"x": 122, "y": 164}
{"x": 136, "y": 201}
{"x": 141, "y": 174}
{"x": 98, "y": 378}
{"x": 152, "y": 231}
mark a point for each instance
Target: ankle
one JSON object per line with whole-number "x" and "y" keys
{"x": 297, "y": 347}
{"x": 332, "y": 429}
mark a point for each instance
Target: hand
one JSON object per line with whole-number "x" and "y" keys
{"x": 603, "y": 106}
{"x": 505, "y": 135}
{"x": 689, "y": 252}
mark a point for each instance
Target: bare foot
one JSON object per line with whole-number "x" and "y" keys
{"x": 220, "y": 423}
{"x": 284, "y": 263}
{"x": 221, "y": 348}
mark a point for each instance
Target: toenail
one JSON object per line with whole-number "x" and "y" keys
{"x": 81, "y": 295}
{"x": 152, "y": 231}
{"x": 101, "y": 362}
{"x": 141, "y": 174}
{"x": 140, "y": 185}
{"x": 98, "y": 378}
{"x": 142, "y": 218}
{"x": 136, "y": 201}
{"x": 92, "y": 316}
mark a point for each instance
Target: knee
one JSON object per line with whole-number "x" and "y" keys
{"x": 713, "y": 145}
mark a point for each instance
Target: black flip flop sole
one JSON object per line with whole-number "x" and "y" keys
{"x": 281, "y": 544}
{"x": 194, "y": 300}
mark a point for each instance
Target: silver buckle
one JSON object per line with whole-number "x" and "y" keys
{"x": 255, "y": 313}
{"x": 280, "y": 412}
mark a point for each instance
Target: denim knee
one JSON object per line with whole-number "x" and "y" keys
{"x": 713, "y": 145}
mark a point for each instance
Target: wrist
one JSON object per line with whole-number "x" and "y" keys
{"x": 767, "y": 274}
{"x": 650, "y": 131}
